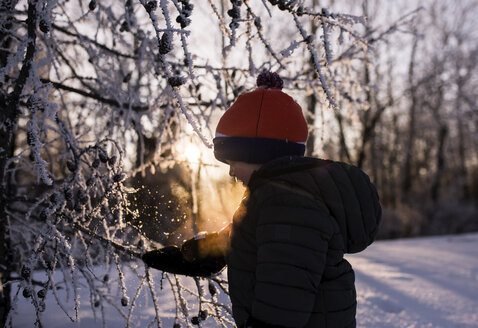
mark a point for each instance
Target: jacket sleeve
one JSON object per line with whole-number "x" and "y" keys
{"x": 207, "y": 245}
{"x": 292, "y": 242}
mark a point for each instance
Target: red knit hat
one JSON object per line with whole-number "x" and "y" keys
{"x": 261, "y": 125}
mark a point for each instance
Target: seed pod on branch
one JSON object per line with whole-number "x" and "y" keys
{"x": 72, "y": 166}
{"x": 257, "y": 23}
{"x": 26, "y": 272}
{"x": 96, "y": 163}
{"x": 103, "y": 156}
{"x": 68, "y": 194}
{"x": 234, "y": 12}
{"x": 44, "y": 27}
{"x": 124, "y": 27}
{"x": 183, "y": 21}
{"x": 112, "y": 160}
{"x": 195, "y": 320}
{"x": 127, "y": 77}
{"x": 41, "y": 293}
{"x": 124, "y": 301}
{"x": 151, "y": 6}
{"x": 176, "y": 81}
{"x": 27, "y": 292}
{"x": 212, "y": 289}
{"x": 165, "y": 44}
{"x": 119, "y": 177}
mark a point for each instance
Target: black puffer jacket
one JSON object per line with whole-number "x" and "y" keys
{"x": 289, "y": 236}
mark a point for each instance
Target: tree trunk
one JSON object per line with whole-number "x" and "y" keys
{"x": 5, "y": 154}
{"x": 460, "y": 84}
{"x": 9, "y": 116}
{"x": 393, "y": 163}
{"x": 311, "y": 100}
{"x": 375, "y": 110}
{"x": 344, "y": 150}
{"x": 311, "y": 105}
{"x": 145, "y": 149}
{"x": 462, "y": 159}
{"x": 5, "y": 253}
{"x": 373, "y": 160}
{"x": 409, "y": 148}
{"x": 440, "y": 162}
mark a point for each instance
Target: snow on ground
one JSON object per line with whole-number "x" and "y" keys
{"x": 423, "y": 282}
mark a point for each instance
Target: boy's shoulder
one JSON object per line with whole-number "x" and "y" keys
{"x": 345, "y": 190}
{"x": 285, "y": 180}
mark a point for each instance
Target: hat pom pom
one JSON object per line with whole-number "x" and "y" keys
{"x": 269, "y": 80}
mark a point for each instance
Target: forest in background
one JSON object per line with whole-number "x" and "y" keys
{"x": 417, "y": 131}
{"x": 109, "y": 109}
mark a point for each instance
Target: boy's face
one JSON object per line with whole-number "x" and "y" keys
{"x": 242, "y": 170}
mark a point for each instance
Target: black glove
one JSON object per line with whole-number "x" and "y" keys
{"x": 193, "y": 259}
{"x": 169, "y": 259}
{"x": 255, "y": 323}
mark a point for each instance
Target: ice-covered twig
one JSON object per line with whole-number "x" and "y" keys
{"x": 133, "y": 302}
{"x": 315, "y": 60}
{"x": 325, "y": 36}
{"x": 121, "y": 248}
{"x": 262, "y": 37}
{"x": 152, "y": 290}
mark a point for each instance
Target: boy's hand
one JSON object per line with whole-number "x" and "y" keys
{"x": 166, "y": 259}
{"x": 254, "y": 323}
{"x": 185, "y": 261}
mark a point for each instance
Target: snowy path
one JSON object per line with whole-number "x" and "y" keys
{"x": 423, "y": 282}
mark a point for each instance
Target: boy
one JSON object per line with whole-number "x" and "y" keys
{"x": 284, "y": 250}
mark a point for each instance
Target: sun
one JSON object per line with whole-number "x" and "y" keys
{"x": 192, "y": 153}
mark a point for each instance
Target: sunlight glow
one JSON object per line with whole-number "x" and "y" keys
{"x": 192, "y": 153}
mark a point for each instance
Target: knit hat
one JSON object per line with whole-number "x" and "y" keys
{"x": 261, "y": 125}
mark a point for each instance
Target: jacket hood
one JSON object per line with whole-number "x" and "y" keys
{"x": 346, "y": 190}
